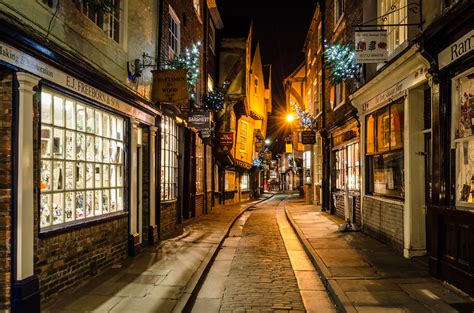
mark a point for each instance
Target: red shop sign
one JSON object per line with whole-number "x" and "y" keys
{"x": 226, "y": 141}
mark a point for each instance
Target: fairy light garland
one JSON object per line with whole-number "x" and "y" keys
{"x": 190, "y": 61}
{"x": 341, "y": 63}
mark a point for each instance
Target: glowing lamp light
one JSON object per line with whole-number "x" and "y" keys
{"x": 268, "y": 141}
{"x": 290, "y": 118}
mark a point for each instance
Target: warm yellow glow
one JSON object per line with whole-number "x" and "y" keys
{"x": 290, "y": 118}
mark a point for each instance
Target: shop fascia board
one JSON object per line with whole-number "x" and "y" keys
{"x": 405, "y": 65}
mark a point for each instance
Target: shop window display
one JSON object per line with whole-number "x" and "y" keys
{"x": 384, "y": 148}
{"x": 73, "y": 161}
{"x": 463, "y": 133}
{"x": 169, "y": 158}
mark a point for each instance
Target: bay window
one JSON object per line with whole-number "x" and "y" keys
{"x": 384, "y": 148}
{"x": 169, "y": 158}
{"x": 82, "y": 161}
{"x": 347, "y": 167}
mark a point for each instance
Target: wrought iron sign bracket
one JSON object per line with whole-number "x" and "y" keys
{"x": 411, "y": 7}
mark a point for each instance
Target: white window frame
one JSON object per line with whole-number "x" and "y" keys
{"x": 169, "y": 159}
{"x": 79, "y": 138}
{"x": 197, "y": 8}
{"x": 174, "y": 33}
{"x": 108, "y": 21}
{"x": 244, "y": 182}
{"x": 338, "y": 12}
{"x": 396, "y": 35}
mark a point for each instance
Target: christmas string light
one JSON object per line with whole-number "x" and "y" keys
{"x": 341, "y": 63}
{"x": 306, "y": 120}
{"x": 190, "y": 61}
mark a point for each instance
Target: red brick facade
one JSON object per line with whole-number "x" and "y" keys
{"x": 168, "y": 221}
{"x": 6, "y": 118}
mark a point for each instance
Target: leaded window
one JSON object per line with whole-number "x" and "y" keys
{"x": 82, "y": 161}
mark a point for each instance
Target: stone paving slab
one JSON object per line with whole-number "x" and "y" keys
{"x": 365, "y": 275}
{"x": 161, "y": 278}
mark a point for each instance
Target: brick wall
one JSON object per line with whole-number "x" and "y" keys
{"x": 209, "y": 201}
{"x": 339, "y": 205}
{"x": 64, "y": 260}
{"x": 199, "y": 203}
{"x": 168, "y": 223}
{"x": 5, "y": 187}
{"x": 384, "y": 221}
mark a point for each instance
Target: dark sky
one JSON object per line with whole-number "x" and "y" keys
{"x": 281, "y": 29}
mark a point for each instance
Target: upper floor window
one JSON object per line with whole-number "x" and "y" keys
{"x": 210, "y": 83}
{"x": 212, "y": 37}
{"x": 108, "y": 22}
{"x": 337, "y": 95}
{"x": 338, "y": 10}
{"x": 174, "y": 30}
{"x": 255, "y": 84}
{"x": 394, "y": 12}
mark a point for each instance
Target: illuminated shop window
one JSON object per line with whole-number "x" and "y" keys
{"x": 209, "y": 168}
{"x": 347, "y": 167}
{"x": 169, "y": 158}
{"x": 384, "y": 147}
{"x": 82, "y": 158}
{"x": 244, "y": 182}
{"x": 463, "y": 135}
{"x": 229, "y": 181}
{"x": 199, "y": 165}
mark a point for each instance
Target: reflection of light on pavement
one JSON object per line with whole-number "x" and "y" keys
{"x": 429, "y": 294}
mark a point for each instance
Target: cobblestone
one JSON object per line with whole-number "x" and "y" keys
{"x": 261, "y": 277}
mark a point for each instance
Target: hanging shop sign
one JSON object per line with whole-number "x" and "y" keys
{"x": 458, "y": 49}
{"x": 308, "y": 137}
{"x": 258, "y": 146}
{"x": 226, "y": 141}
{"x": 170, "y": 86}
{"x": 206, "y": 133}
{"x": 268, "y": 156}
{"x": 371, "y": 46}
{"x": 199, "y": 120}
{"x": 28, "y": 63}
{"x": 289, "y": 148}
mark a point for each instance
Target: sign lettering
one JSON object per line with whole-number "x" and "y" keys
{"x": 458, "y": 49}
{"x": 371, "y": 46}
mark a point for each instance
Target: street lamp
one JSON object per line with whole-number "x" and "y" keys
{"x": 268, "y": 141}
{"x": 290, "y": 117}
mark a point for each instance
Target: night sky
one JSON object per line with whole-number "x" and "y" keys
{"x": 281, "y": 29}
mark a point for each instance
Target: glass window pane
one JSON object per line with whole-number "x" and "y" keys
{"x": 98, "y": 149}
{"x": 89, "y": 175}
{"x": 119, "y": 175}
{"x": 58, "y": 175}
{"x": 120, "y": 199}
{"x": 58, "y": 143}
{"x": 105, "y": 125}
{"x": 58, "y": 208}
{"x": 105, "y": 151}
{"x": 80, "y": 205}
{"x": 70, "y": 145}
{"x": 80, "y": 117}
{"x": 386, "y": 174}
{"x": 113, "y": 200}
{"x": 80, "y": 146}
{"x": 383, "y": 130}
{"x": 58, "y": 111}
{"x": 46, "y": 106}
{"x": 105, "y": 201}
{"x": 80, "y": 175}
{"x": 46, "y": 175}
{"x": 69, "y": 207}
{"x": 46, "y": 141}
{"x": 89, "y": 203}
{"x": 105, "y": 176}
{"x": 90, "y": 148}
{"x": 90, "y": 120}
{"x": 113, "y": 122}
{"x": 98, "y": 176}
{"x": 70, "y": 115}
{"x": 396, "y": 125}
{"x": 98, "y": 123}
{"x": 98, "y": 202}
{"x": 120, "y": 152}
{"x": 120, "y": 127}
{"x": 113, "y": 176}
{"x": 113, "y": 152}
{"x": 69, "y": 175}
{"x": 45, "y": 210}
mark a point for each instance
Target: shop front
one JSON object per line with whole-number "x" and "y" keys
{"x": 345, "y": 176}
{"x": 74, "y": 146}
{"x": 450, "y": 213}
{"x": 394, "y": 126}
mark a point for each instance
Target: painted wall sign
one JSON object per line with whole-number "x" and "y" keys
{"x": 170, "y": 86}
{"x": 308, "y": 137}
{"x": 396, "y": 90}
{"x": 458, "y": 49}
{"x": 26, "y": 62}
{"x": 371, "y": 46}
{"x": 199, "y": 120}
{"x": 226, "y": 141}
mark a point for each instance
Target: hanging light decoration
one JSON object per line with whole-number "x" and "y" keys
{"x": 214, "y": 100}
{"x": 305, "y": 119}
{"x": 341, "y": 63}
{"x": 190, "y": 61}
